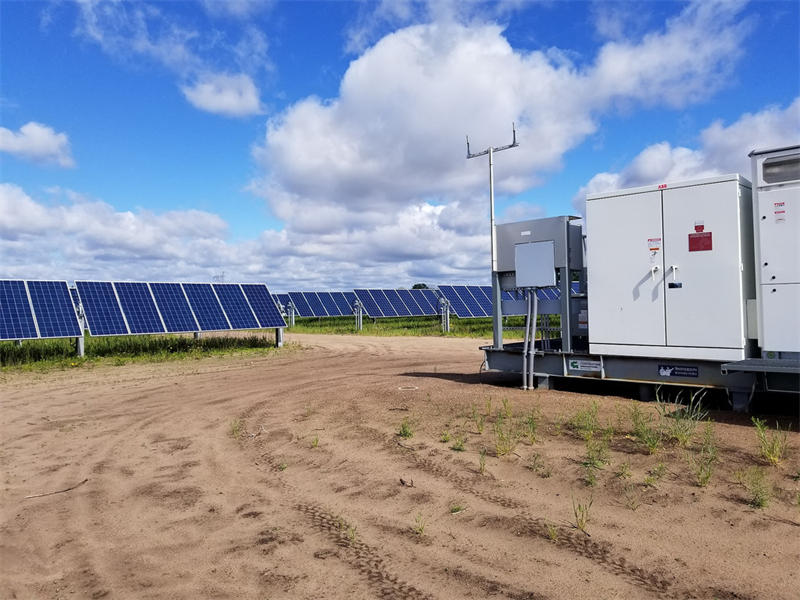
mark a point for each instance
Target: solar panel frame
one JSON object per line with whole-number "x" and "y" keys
{"x": 397, "y": 303}
{"x": 481, "y": 298}
{"x": 17, "y": 321}
{"x": 301, "y": 306}
{"x": 371, "y": 308}
{"x": 345, "y": 307}
{"x": 139, "y": 308}
{"x": 413, "y": 306}
{"x": 235, "y": 305}
{"x": 206, "y": 307}
{"x": 53, "y": 309}
{"x": 317, "y": 308}
{"x": 469, "y": 300}
{"x": 101, "y": 308}
{"x": 329, "y": 303}
{"x": 263, "y": 305}
{"x": 174, "y": 307}
{"x": 383, "y": 302}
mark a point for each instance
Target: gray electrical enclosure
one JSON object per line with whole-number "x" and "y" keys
{"x": 535, "y": 264}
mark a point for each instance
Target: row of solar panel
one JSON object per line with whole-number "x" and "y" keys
{"x": 126, "y": 308}
{"x": 398, "y": 303}
{"x": 36, "y": 309}
{"x": 319, "y": 304}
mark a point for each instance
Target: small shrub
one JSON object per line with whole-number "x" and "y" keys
{"x": 445, "y": 437}
{"x": 755, "y": 482}
{"x": 458, "y": 443}
{"x": 702, "y": 465}
{"x": 457, "y": 508}
{"x": 282, "y": 467}
{"x": 585, "y": 421}
{"x": 681, "y": 421}
{"x": 597, "y": 454}
{"x": 645, "y": 430}
{"x": 237, "y": 428}
{"x": 773, "y": 446}
{"x": 581, "y": 512}
{"x": 530, "y": 426}
{"x": 405, "y": 430}
{"x": 419, "y": 524}
{"x": 505, "y": 435}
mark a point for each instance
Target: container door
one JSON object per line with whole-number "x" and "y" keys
{"x": 625, "y": 270}
{"x": 703, "y": 269}
{"x": 779, "y": 235}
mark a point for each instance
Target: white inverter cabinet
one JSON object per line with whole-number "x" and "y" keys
{"x": 670, "y": 270}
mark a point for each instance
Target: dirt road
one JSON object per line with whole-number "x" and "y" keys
{"x": 280, "y": 477}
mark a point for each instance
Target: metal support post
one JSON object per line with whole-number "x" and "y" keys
{"x": 359, "y": 312}
{"x": 196, "y": 335}
{"x": 565, "y": 287}
{"x": 18, "y": 343}
{"x": 279, "y": 337}
{"x": 291, "y": 315}
{"x": 79, "y": 347}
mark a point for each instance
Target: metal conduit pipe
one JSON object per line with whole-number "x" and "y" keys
{"x": 532, "y": 345}
{"x": 525, "y": 344}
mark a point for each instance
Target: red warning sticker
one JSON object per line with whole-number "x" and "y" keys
{"x": 698, "y": 242}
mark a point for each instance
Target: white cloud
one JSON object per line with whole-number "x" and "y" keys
{"x": 228, "y": 95}
{"x": 37, "y": 142}
{"x": 203, "y": 64}
{"x": 237, "y": 9}
{"x": 723, "y": 149}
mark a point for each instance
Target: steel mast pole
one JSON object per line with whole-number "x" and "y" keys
{"x": 497, "y": 313}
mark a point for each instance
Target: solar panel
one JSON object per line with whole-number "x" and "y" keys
{"x": 138, "y": 307}
{"x": 101, "y": 308}
{"x": 368, "y": 302}
{"x": 174, "y": 307}
{"x": 301, "y": 306}
{"x": 351, "y": 298}
{"x": 284, "y": 300}
{"x": 410, "y": 302}
{"x": 330, "y": 305}
{"x": 263, "y": 305}
{"x": 482, "y": 298}
{"x": 345, "y": 307}
{"x": 432, "y": 299}
{"x": 575, "y": 287}
{"x": 469, "y": 300}
{"x": 383, "y": 303}
{"x": 16, "y": 315}
{"x": 317, "y": 309}
{"x": 206, "y": 307}
{"x": 76, "y": 299}
{"x": 397, "y": 303}
{"x": 456, "y": 303}
{"x": 235, "y": 305}
{"x": 53, "y": 309}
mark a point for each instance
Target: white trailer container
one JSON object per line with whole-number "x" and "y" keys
{"x": 670, "y": 270}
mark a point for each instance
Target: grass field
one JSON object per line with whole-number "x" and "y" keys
{"x": 60, "y": 353}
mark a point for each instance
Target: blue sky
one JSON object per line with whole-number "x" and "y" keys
{"x": 320, "y": 145}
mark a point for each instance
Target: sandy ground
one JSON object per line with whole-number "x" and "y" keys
{"x": 307, "y": 502}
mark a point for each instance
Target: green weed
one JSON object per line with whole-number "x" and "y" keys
{"x": 624, "y": 471}
{"x": 315, "y": 441}
{"x": 773, "y": 446}
{"x": 552, "y": 531}
{"x": 419, "y": 524}
{"x": 530, "y": 425}
{"x": 581, "y": 512}
{"x": 645, "y": 430}
{"x": 506, "y": 408}
{"x": 482, "y": 461}
{"x": 506, "y": 435}
{"x": 758, "y": 487}
{"x": 405, "y": 430}
{"x": 681, "y": 421}
{"x": 445, "y": 437}
{"x": 702, "y": 464}
{"x": 457, "y": 508}
{"x": 458, "y": 443}
{"x": 236, "y": 428}
{"x": 585, "y": 421}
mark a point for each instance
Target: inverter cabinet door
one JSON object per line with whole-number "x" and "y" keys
{"x": 625, "y": 270}
{"x": 703, "y": 270}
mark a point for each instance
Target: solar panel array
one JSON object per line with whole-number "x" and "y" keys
{"x": 129, "y": 308}
{"x": 319, "y": 304}
{"x": 398, "y": 303}
{"x": 474, "y": 301}
{"x": 36, "y": 309}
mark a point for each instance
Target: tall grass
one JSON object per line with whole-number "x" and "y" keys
{"x": 61, "y": 352}
{"x": 412, "y": 326}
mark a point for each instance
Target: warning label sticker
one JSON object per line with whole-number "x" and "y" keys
{"x": 779, "y": 208}
{"x": 654, "y": 244}
{"x": 678, "y": 371}
{"x": 584, "y": 365}
{"x": 699, "y": 242}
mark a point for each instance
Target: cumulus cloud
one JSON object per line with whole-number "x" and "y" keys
{"x": 229, "y": 95}
{"x": 722, "y": 149}
{"x": 37, "y": 142}
{"x": 378, "y": 173}
{"x": 203, "y": 65}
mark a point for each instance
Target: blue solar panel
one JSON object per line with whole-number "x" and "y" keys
{"x": 206, "y": 307}
{"x": 174, "y": 307}
{"x": 330, "y": 305}
{"x": 410, "y": 302}
{"x": 351, "y": 298}
{"x": 368, "y": 302}
{"x": 76, "y": 299}
{"x": 397, "y": 303}
{"x": 53, "y": 309}
{"x": 456, "y": 303}
{"x": 263, "y": 305}
{"x": 383, "y": 303}
{"x": 101, "y": 308}
{"x": 345, "y": 307}
{"x": 317, "y": 309}
{"x": 575, "y": 287}
{"x": 284, "y": 301}
{"x": 235, "y": 305}
{"x": 470, "y": 301}
{"x": 301, "y": 304}
{"x": 138, "y": 307}
{"x": 481, "y": 298}
{"x": 432, "y": 299}
{"x": 16, "y": 317}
